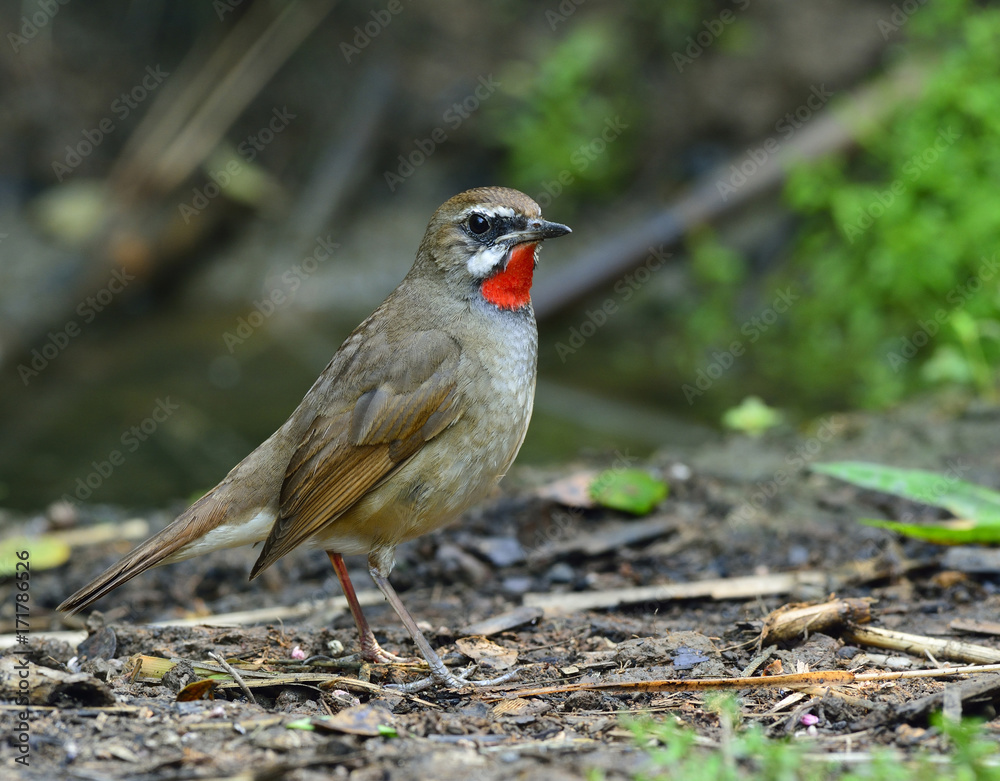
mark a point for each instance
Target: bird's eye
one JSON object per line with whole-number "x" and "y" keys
{"x": 478, "y": 224}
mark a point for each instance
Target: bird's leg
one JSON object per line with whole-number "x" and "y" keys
{"x": 439, "y": 673}
{"x": 371, "y": 651}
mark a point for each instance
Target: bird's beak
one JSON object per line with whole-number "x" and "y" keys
{"x": 537, "y": 230}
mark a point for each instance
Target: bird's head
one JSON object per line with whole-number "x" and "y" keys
{"x": 485, "y": 241}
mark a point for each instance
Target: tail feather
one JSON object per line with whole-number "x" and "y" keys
{"x": 238, "y": 511}
{"x": 167, "y": 546}
{"x": 151, "y": 553}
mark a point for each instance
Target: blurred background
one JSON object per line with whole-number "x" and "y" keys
{"x": 199, "y": 200}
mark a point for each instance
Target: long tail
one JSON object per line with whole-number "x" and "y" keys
{"x": 151, "y": 553}
{"x": 238, "y": 511}
{"x": 186, "y": 531}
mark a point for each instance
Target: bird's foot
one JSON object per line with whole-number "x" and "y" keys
{"x": 450, "y": 680}
{"x": 378, "y": 655}
{"x": 372, "y": 652}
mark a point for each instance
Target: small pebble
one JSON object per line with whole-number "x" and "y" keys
{"x": 190, "y": 708}
{"x": 561, "y": 573}
{"x": 679, "y": 472}
{"x": 501, "y": 551}
{"x": 798, "y": 555}
{"x": 335, "y": 647}
{"x": 517, "y": 584}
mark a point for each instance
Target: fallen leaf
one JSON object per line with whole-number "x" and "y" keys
{"x": 630, "y": 490}
{"x": 486, "y": 653}
{"x": 45, "y": 552}
{"x": 198, "y": 690}
{"x": 571, "y": 491}
{"x": 364, "y": 720}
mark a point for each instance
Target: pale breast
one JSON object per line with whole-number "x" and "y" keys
{"x": 461, "y": 465}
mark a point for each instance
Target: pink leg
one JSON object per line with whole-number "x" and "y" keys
{"x": 371, "y": 651}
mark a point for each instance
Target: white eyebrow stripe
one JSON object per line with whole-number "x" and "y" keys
{"x": 489, "y": 211}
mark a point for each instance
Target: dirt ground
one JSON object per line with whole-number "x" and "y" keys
{"x": 737, "y": 507}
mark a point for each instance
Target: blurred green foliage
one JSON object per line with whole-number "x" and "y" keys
{"x": 745, "y": 753}
{"x": 895, "y": 264}
{"x": 570, "y": 125}
{"x": 718, "y": 273}
{"x": 976, "y": 507}
{"x": 751, "y": 416}
{"x": 897, "y": 260}
{"x": 560, "y": 120}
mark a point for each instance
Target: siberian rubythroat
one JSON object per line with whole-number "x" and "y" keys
{"x": 418, "y": 415}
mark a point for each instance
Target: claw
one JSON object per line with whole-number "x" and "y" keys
{"x": 451, "y": 681}
{"x": 375, "y": 654}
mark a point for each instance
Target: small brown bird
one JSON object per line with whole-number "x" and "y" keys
{"x": 418, "y": 415}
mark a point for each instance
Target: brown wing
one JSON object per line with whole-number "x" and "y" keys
{"x": 405, "y": 395}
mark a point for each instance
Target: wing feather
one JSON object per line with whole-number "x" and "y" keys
{"x": 342, "y": 456}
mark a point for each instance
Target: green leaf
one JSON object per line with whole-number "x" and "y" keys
{"x": 387, "y": 732}
{"x": 965, "y": 500}
{"x": 630, "y": 490}
{"x": 950, "y": 533}
{"x": 303, "y": 724}
{"x": 45, "y": 552}
{"x": 751, "y": 416}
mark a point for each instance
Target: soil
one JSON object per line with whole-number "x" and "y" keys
{"x": 730, "y": 513}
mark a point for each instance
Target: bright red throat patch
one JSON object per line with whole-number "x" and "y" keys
{"x": 511, "y": 288}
